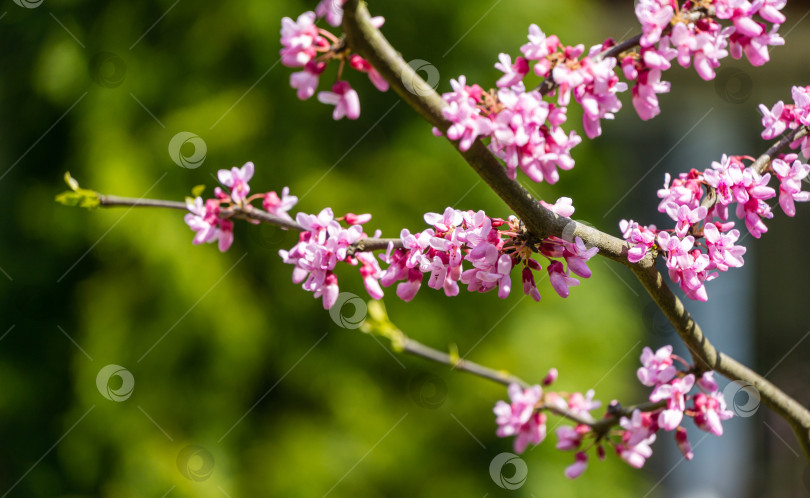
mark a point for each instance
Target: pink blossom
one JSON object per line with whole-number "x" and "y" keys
{"x": 642, "y": 237}
{"x": 513, "y": 73}
{"x": 570, "y": 438}
{"x": 682, "y": 440}
{"x": 578, "y": 467}
{"x": 711, "y": 411}
{"x": 345, "y": 100}
{"x": 654, "y": 16}
{"x": 236, "y": 179}
{"x": 657, "y": 368}
{"x": 364, "y": 66}
{"x": 279, "y": 206}
{"x": 560, "y": 278}
{"x": 638, "y": 428}
{"x": 722, "y": 251}
{"x": 332, "y": 10}
{"x": 203, "y": 218}
{"x": 577, "y": 254}
{"x": 645, "y": 93}
{"x": 561, "y": 207}
{"x": 790, "y": 182}
{"x": 299, "y": 40}
{"x": 463, "y": 112}
{"x": 674, "y": 393}
{"x": 306, "y": 81}
{"x": 518, "y": 418}
{"x": 583, "y": 405}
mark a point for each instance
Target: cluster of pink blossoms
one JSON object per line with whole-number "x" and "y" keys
{"x": 210, "y": 218}
{"x": 524, "y": 130}
{"x": 492, "y": 246}
{"x": 312, "y": 48}
{"x": 459, "y": 236}
{"x": 789, "y": 116}
{"x": 669, "y": 32}
{"x": 704, "y": 241}
{"x": 524, "y": 418}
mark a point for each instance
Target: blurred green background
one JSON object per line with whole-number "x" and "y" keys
{"x": 243, "y": 385}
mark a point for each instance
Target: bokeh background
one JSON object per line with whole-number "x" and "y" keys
{"x": 243, "y": 384}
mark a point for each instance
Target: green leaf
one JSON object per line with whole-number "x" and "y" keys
{"x": 72, "y": 183}
{"x": 197, "y": 190}
{"x": 80, "y": 197}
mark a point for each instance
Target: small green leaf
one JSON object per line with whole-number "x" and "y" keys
{"x": 197, "y": 190}
{"x": 79, "y": 197}
{"x": 72, "y": 183}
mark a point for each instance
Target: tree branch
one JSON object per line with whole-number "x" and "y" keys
{"x": 242, "y": 213}
{"x": 368, "y": 42}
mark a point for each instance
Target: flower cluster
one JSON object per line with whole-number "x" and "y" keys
{"x": 687, "y": 34}
{"x": 525, "y": 130}
{"x": 672, "y": 387}
{"x": 704, "y": 241}
{"x": 783, "y": 116}
{"x": 321, "y": 245}
{"x": 492, "y": 247}
{"x": 306, "y": 46}
{"x": 459, "y": 236}
{"x": 524, "y": 415}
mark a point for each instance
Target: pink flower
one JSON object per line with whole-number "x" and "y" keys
{"x": 722, "y": 251}
{"x": 638, "y": 428}
{"x": 685, "y": 217}
{"x": 463, "y": 112}
{"x": 299, "y": 40}
{"x": 772, "y": 120}
{"x": 345, "y": 100}
{"x": 364, "y": 66}
{"x": 790, "y": 182}
{"x": 683, "y": 443}
{"x": 279, "y": 206}
{"x": 674, "y": 393}
{"x": 570, "y": 438}
{"x": 642, "y": 237}
{"x": 539, "y": 46}
{"x": 561, "y": 207}
{"x": 560, "y": 278}
{"x": 583, "y": 405}
{"x": 711, "y": 411}
{"x": 332, "y": 10}
{"x": 529, "y": 287}
{"x": 578, "y": 467}
{"x": 657, "y": 368}
{"x": 576, "y": 255}
{"x": 306, "y": 81}
{"x": 518, "y": 417}
{"x": 654, "y": 16}
{"x": 237, "y": 181}
{"x": 645, "y": 98}
{"x": 513, "y": 73}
